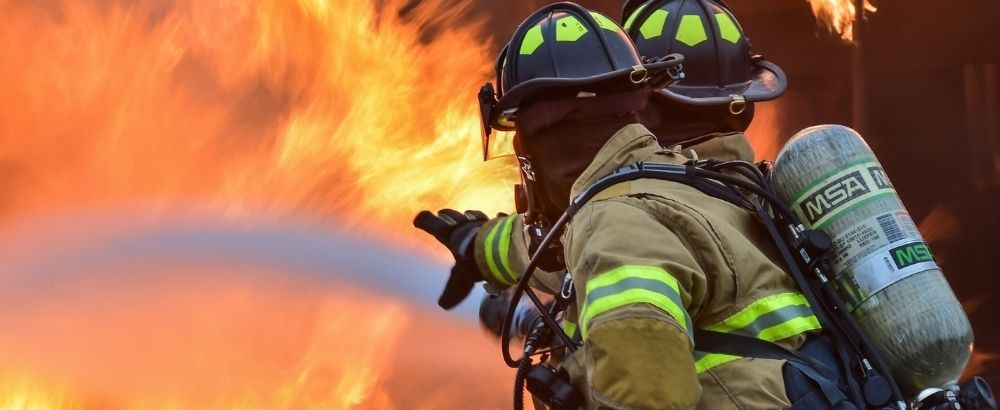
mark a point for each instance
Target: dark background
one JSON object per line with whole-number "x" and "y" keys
{"x": 930, "y": 111}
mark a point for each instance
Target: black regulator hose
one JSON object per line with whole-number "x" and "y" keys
{"x": 522, "y": 287}
{"x": 522, "y": 372}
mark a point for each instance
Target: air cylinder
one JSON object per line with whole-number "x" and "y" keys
{"x": 882, "y": 267}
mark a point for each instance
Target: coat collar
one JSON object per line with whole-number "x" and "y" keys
{"x": 634, "y": 143}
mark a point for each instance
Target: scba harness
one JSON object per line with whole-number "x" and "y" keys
{"x": 839, "y": 369}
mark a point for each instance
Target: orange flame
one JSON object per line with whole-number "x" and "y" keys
{"x": 364, "y": 109}
{"x": 166, "y": 333}
{"x": 996, "y": 167}
{"x": 939, "y": 226}
{"x": 269, "y": 109}
{"x": 765, "y": 131}
{"x": 839, "y": 15}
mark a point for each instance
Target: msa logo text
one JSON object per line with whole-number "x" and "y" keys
{"x": 834, "y": 195}
{"x": 911, "y": 254}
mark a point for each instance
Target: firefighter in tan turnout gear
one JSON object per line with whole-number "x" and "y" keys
{"x": 651, "y": 260}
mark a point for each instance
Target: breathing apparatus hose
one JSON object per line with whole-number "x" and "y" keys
{"x": 522, "y": 371}
{"x": 714, "y": 183}
{"x": 522, "y": 288}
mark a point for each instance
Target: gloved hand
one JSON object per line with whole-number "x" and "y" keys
{"x": 457, "y": 231}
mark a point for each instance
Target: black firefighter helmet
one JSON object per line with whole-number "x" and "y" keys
{"x": 718, "y": 65}
{"x": 564, "y": 50}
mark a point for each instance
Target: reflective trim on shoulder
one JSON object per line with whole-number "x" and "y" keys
{"x": 497, "y": 252}
{"x": 771, "y": 318}
{"x": 631, "y": 284}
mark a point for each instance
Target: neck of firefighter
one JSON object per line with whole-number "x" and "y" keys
{"x": 673, "y": 122}
{"x": 562, "y": 136}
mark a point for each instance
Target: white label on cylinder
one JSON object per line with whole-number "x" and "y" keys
{"x": 864, "y": 238}
{"x": 824, "y": 201}
{"x": 886, "y": 266}
{"x": 876, "y": 253}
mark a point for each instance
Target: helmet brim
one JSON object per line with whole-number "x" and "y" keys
{"x": 506, "y": 108}
{"x": 768, "y": 82}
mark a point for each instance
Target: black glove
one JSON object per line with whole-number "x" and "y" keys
{"x": 457, "y": 231}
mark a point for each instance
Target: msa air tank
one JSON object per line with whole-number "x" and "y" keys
{"x": 882, "y": 268}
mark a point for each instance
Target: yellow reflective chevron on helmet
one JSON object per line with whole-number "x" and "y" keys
{"x": 653, "y": 26}
{"x": 532, "y": 40}
{"x": 631, "y": 19}
{"x": 605, "y": 22}
{"x": 691, "y": 31}
{"x": 727, "y": 28}
{"x": 569, "y": 28}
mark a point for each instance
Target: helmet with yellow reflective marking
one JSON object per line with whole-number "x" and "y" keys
{"x": 564, "y": 50}
{"x": 718, "y": 65}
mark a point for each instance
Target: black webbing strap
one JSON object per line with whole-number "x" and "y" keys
{"x": 716, "y": 342}
{"x": 728, "y": 343}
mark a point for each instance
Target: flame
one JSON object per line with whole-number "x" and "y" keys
{"x": 280, "y": 110}
{"x": 166, "y": 344}
{"x": 996, "y": 167}
{"x": 839, "y": 16}
{"x": 980, "y": 363}
{"x": 765, "y": 131}
{"x": 940, "y": 225}
{"x": 101, "y": 327}
{"x": 360, "y": 109}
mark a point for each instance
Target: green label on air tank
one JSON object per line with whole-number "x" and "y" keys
{"x": 856, "y": 184}
{"x": 911, "y": 254}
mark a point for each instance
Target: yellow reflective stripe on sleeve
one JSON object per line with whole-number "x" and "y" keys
{"x": 504, "y": 250}
{"x": 633, "y": 284}
{"x": 493, "y": 246}
{"x": 703, "y": 361}
{"x": 789, "y": 328}
{"x": 746, "y": 316}
{"x": 772, "y": 318}
{"x": 569, "y": 328}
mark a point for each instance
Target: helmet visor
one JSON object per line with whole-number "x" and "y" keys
{"x": 498, "y": 144}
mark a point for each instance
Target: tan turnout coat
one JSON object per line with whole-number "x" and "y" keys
{"x": 651, "y": 261}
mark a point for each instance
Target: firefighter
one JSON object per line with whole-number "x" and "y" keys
{"x": 722, "y": 81}
{"x": 651, "y": 260}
